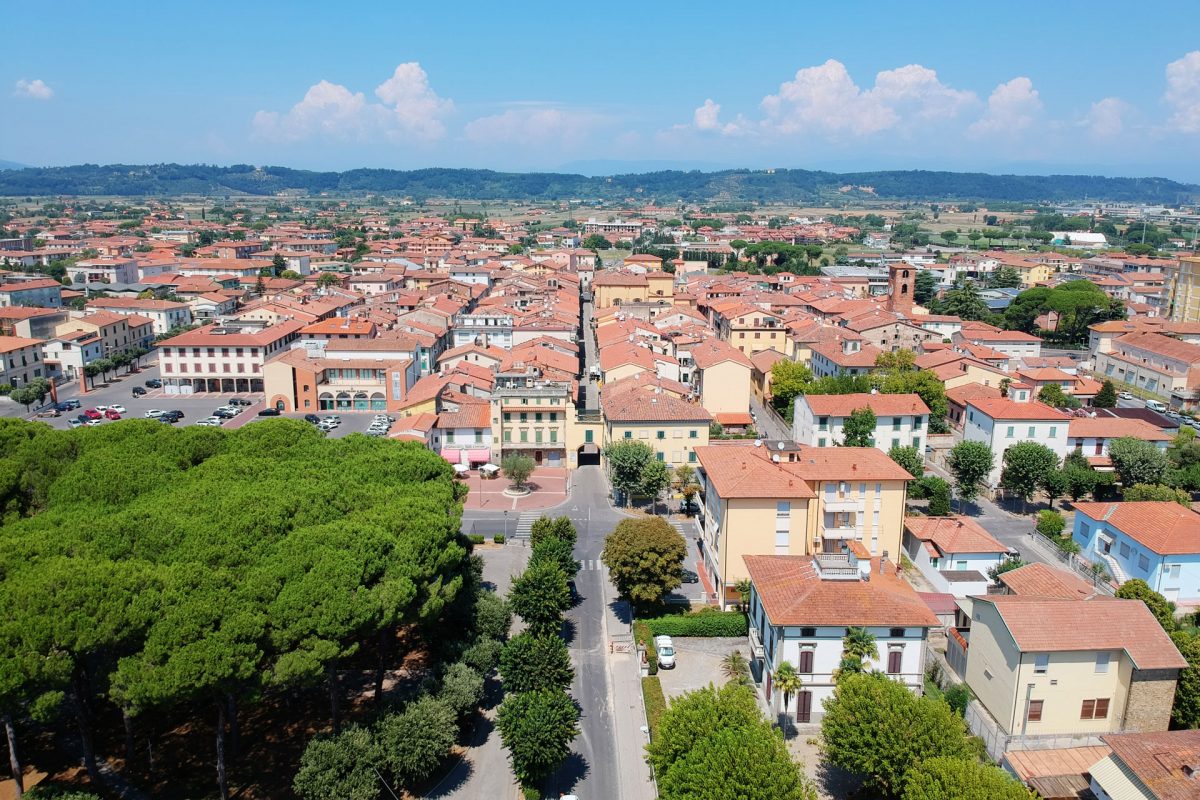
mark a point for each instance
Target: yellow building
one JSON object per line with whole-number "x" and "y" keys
{"x": 534, "y": 417}
{"x": 674, "y": 428}
{"x": 614, "y": 287}
{"x": 1045, "y": 666}
{"x": 1184, "y": 302}
{"x": 721, "y": 376}
{"x": 778, "y": 498}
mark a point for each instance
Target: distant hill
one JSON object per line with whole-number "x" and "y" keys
{"x": 784, "y": 185}
{"x": 11, "y": 165}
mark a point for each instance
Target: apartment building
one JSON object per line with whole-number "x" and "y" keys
{"x": 842, "y": 357}
{"x": 533, "y": 416}
{"x": 120, "y": 333}
{"x": 783, "y": 499}
{"x": 1091, "y": 436}
{"x": 1000, "y": 423}
{"x": 21, "y": 360}
{"x": 674, "y": 428}
{"x": 1158, "y": 542}
{"x": 223, "y": 359}
{"x": 1161, "y": 365}
{"x": 954, "y": 553}
{"x": 801, "y": 608}
{"x": 720, "y": 376}
{"x": 42, "y": 292}
{"x": 1184, "y": 291}
{"x": 901, "y": 420}
{"x": 614, "y": 287}
{"x": 104, "y": 270}
{"x": 300, "y": 380}
{"x": 164, "y": 315}
{"x": 1046, "y": 667}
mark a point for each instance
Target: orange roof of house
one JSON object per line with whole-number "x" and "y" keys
{"x": 1054, "y": 625}
{"x": 1115, "y": 428}
{"x": 1165, "y": 527}
{"x": 1164, "y": 761}
{"x": 792, "y": 593}
{"x": 884, "y": 405}
{"x": 638, "y": 407}
{"x": 10, "y": 343}
{"x": 469, "y": 415}
{"x": 1039, "y": 580}
{"x": 1001, "y": 408}
{"x": 955, "y": 534}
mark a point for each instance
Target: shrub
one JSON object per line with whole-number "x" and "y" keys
{"x": 656, "y": 703}
{"x": 413, "y": 742}
{"x": 709, "y": 622}
{"x": 462, "y": 689}
{"x": 483, "y": 656}
{"x": 1050, "y": 524}
{"x": 476, "y": 538}
{"x": 958, "y": 696}
{"x": 492, "y": 616}
{"x": 498, "y": 538}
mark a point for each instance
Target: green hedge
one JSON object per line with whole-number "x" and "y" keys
{"x": 498, "y": 538}
{"x": 708, "y": 622}
{"x": 656, "y": 703}
{"x": 641, "y": 632}
{"x": 475, "y": 538}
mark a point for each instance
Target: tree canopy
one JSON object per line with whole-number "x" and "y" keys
{"x": 645, "y": 559}
{"x": 183, "y": 568}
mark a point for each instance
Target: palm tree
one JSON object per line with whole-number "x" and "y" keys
{"x": 735, "y": 668}
{"x": 787, "y": 680}
{"x": 860, "y": 643}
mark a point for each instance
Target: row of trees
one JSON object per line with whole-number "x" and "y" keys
{"x": 894, "y": 373}
{"x": 538, "y": 720}
{"x": 405, "y": 741}
{"x": 635, "y": 471}
{"x": 167, "y": 573}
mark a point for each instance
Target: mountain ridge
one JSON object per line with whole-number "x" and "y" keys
{"x": 733, "y": 185}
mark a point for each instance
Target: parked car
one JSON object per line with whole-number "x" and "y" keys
{"x": 91, "y": 423}
{"x": 171, "y": 416}
{"x": 225, "y": 412}
{"x": 138, "y": 391}
{"x": 50, "y": 412}
{"x": 1125, "y": 396}
{"x": 112, "y": 413}
{"x": 240, "y": 401}
{"x": 269, "y": 412}
{"x": 68, "y": 405}
{"x": 690, "y": 577}
{"x": 666, "y": 652}
{"x": 154, "y": 383}
{"x": 82, "y": 418}
{"x": 102, "y": 409}
{"x": 332, "y": 418}
{"x": 120, "y": 409}
{"x": 313, "y": 418}
{"x": 74, "y": 423}
{"x": 92, "y": 413}
{"x": 154, "y": 413}
{"x": 212, "y": 422}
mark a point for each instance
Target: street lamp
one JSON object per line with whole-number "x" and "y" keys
{"x": 506, "y": 524}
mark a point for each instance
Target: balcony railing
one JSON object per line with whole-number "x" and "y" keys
{"x": 839, "y": 533}
{"x": 836, "y": 566}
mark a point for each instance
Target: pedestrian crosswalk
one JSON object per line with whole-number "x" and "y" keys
{"x": 525, "y": 525}
{"x": 589, "y": 564}
{"x": 685, "y": 525}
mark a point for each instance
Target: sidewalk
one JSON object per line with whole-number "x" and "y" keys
{"x": 628, "y": 711}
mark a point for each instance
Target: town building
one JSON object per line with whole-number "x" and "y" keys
{"x": 901, "y": 420}
{"x": 1000, "y": 423}
{"x": 801, "y": 608}
{"x": 1163, "y": 765}
{"x": 42, "y": 292}
{"x": 164, "y": 314}
{"x": 1158, "y": 542}
{"x": 955, "y": 554}
{"x": 224, "y": 359}
{"x": 21, "y": 360}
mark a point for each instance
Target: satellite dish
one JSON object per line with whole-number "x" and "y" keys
{"x": 864, "y": 570}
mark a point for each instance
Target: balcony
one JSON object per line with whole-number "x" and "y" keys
{"x": 839, "y": 533}
{"x": 533, "y": 445}
{"x": 845, "y": 502}
{"x": 836, "y": 566}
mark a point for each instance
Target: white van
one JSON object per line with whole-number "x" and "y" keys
{"x": 666, "y": 652}
{"x": 1154, "y": 405}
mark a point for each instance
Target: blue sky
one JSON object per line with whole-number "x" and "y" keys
{"x": 1102, "y": 88}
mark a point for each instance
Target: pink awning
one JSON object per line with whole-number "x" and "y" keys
{"x": 479, "y": 455}
{"x": 453, "y": 456}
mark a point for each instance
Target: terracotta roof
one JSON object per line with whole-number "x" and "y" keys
{"x": 1114, "y": 428}
{"x": 763, "y": 360}
{"x": 792, "y": 593}
{"x": 953, "y": 534}
{"x": 637, "y": 407}
{"x": 1165, "y": 527}
{"x": 1040, "y": 580}
{"x": 10, "y": 343}
{"x": 1161, "y": 345}
{"x": 1159, "y": 759}
{"x": 469, "y": 415}
{"x": 740, "y": 472}
{"x": 884, "y": 405}
{"x": 1001, "y": 408}
{"x": 1052, "y": 625}
{"x": 206, "y": 338}
{"x": 710, "y": 352}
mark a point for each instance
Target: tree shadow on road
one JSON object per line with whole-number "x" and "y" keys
{"x": 622, "y": 610}
{"x": 568, "y": 631}
{"x": 568, "y": 776}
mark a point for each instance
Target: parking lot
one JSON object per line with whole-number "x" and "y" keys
{"x": 195, "y": 407}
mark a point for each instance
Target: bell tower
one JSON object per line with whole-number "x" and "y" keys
{"x": 902, "y": 279}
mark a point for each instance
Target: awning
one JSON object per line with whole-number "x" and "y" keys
{"x": 489, "y": 467}
{"x": 461, "y": 468}
{"x": 453, "y": 456}
{"x": 478, "y": 455}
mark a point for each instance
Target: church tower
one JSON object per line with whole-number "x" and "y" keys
{"x": 902, "y": 279}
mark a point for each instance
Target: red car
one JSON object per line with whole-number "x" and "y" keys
{"x": 111, "y": 414}
{"x": 92, "y": 413}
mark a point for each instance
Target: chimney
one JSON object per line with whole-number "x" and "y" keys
{"x": 882, "y": 559}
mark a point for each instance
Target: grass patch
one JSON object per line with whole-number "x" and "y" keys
{"x": 706, "y": 622}
{"x": 656, "y": 703}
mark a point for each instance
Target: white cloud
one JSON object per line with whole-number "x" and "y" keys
{"x": 1183, "y": 92}
{"x": 707, "y": 116}
{"x": 537, "y": 124}
{"x": 1012, "y": 107}
{"x": 1106, "y": 118}
{"x": 825, "y": 99}
{"x": 410, "y": 110}
{"x": 35, "y": 89}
